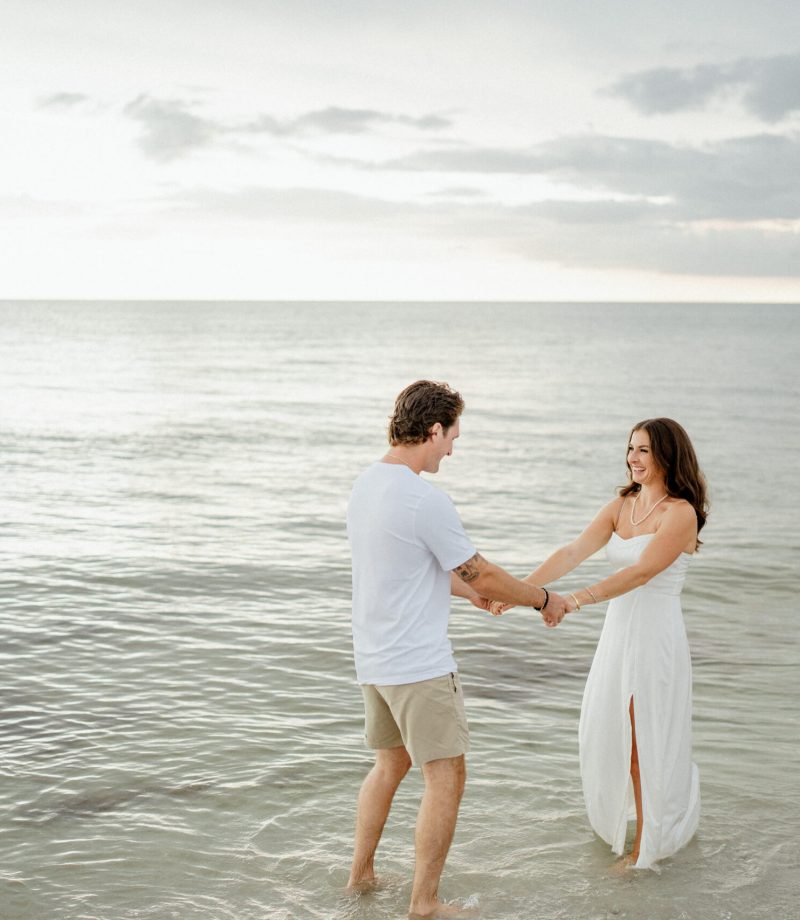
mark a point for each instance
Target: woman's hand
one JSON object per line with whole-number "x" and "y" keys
{"x": 498, "y": 608}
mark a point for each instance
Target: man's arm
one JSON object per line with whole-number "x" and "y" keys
{"x": 459, "y": 588}
{"x": 492, "y": 581}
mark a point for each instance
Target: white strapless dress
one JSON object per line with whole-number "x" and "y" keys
{"x": 642, "y": 653}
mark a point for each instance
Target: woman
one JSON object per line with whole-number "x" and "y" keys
{"x": 635, "y": 725}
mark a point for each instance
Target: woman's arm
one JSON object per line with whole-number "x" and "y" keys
{"x": 677, "y": 528}
{"x": 564, "y": 560}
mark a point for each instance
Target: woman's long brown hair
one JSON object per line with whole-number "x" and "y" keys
{"x": 672, "y": 450}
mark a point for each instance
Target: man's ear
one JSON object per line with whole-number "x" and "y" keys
{"x": 435, "y": 429}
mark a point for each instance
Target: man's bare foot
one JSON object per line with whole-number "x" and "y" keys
{"x": 362, "y": 885}
{"x": 441, "y": 909}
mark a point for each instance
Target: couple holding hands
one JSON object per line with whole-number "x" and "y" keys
{"x": 410, "y": 553}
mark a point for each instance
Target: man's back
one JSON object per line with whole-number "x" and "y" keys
{"x": 405, "y": 537}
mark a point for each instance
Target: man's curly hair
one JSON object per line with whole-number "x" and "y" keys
{"x": 419, "y": 407}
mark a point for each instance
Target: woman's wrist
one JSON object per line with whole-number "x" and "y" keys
{"x": 586, "y": 596}
{"x": 583, "y": 597}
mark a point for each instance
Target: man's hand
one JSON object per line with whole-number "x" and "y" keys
{"x": 555, "y": 609}
{"x": 482, "y": 603}
{"x": 494, "y": 607}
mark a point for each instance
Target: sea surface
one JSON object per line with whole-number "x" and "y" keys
{"x": 180, "y": 727}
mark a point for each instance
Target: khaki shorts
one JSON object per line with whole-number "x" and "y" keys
{"x": 426, "y": 717}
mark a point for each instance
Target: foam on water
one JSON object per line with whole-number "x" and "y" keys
{"x": 181, "y": 730}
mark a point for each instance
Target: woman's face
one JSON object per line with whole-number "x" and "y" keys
{"x": 644, "y": 469}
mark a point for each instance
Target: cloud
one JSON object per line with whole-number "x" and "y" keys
{"x": 747, "y": 178}
{"x": 62, "y": 100}
{"x": 769, "y": 87}
{"x": 458, "y": 192}
{"x": 594, "y": 213}
{"x": 647, "y": 242}
{"x": 303, "y": 205}
{"x": 15, "y": 207}
{"x": 169, "y": 129}
{"x": 466, "y": 160}
{"x": 637, "y": 235}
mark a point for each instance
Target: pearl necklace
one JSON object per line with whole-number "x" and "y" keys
{"x": 633, "y": 508}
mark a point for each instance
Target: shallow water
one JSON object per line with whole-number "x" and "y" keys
{"x": 181, "y": 729}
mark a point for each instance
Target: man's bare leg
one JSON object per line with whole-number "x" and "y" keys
{"x": 436, "y": 824}
{"x": 374, "y": 802}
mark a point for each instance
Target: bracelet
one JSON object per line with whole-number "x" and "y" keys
{"x": 546, "y": 601}
{"x": 591, "y": 594}
{"x": 576, "y": 601}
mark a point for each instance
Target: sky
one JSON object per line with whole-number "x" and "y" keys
{"x": 323, "y": 150}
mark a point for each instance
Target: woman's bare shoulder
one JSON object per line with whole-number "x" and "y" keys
{"x": 679, "y": 511}
{"x": 615, "y": 504}
{"x": 612, "y": 509}
{"x": 678, "y": 505}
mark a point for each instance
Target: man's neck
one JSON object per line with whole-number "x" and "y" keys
{"x": 410, "y": 457}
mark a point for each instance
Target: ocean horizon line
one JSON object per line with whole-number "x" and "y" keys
{"x": 378, "y": 301}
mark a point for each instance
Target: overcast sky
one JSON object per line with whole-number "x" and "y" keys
{"x": 313, "y": 149}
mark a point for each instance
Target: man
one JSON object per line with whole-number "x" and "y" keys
{"x": 410, "y": 552}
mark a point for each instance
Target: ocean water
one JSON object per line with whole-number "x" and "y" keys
{"x": 181, "y": 731}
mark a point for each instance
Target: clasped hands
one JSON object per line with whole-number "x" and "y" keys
{"x": 553, "y": 613}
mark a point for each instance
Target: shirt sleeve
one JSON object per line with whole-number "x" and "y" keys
{"x": 439, "y": 527}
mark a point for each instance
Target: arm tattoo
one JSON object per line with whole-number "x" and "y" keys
{"x": 468, "y": 571}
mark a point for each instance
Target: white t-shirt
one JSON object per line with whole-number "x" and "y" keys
{"x": 406, "y": 537}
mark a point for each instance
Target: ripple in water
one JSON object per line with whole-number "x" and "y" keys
{"x": 181, "y": 730}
